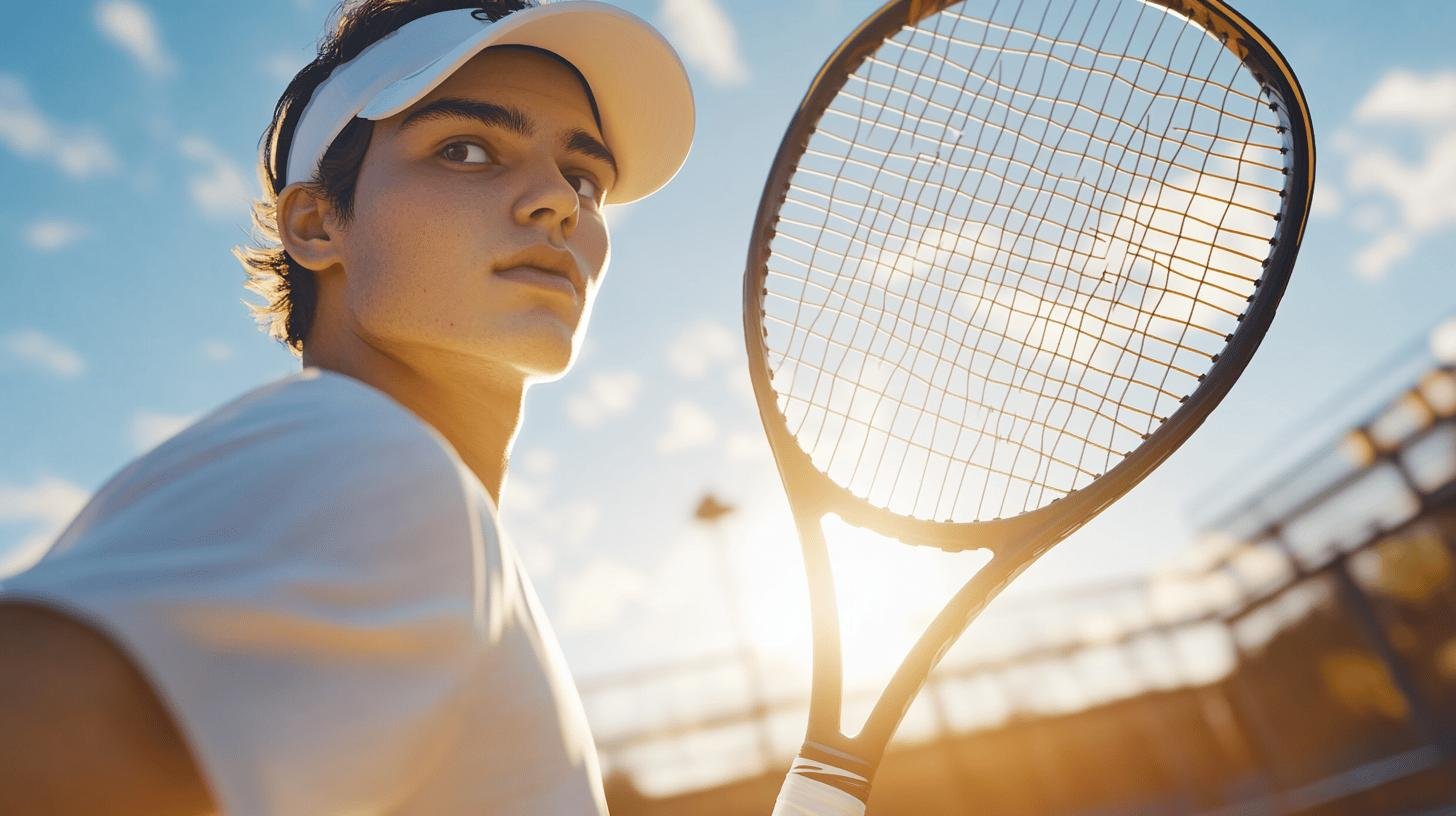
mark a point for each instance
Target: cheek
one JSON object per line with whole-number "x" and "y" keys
{"x": 415, "y": 256}
{"x": 593, "y": 246}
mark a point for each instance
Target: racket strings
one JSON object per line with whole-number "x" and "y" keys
{"x": 1077, "y": 389}
{"x": 1079, "y": 471}
{"x": 953, "y": 146}
{"x": 837, "y": 178}
{"x": 1122, "y": 60}
{"x": 918, "y": 424}
{"x": 1140, "y": 135}
{"x": 1093, "y": 234}
{"x": 1025, "y": 257}
{"x": 994, "y": 101}
{"x": 989, "y": 283}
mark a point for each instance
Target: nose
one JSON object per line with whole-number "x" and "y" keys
{"x": 548, "y": 200}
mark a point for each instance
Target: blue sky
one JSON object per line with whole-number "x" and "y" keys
{"x": 128, "y": 140}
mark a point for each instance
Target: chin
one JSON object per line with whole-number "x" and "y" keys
{"x": 546, "y": 370}
{"x": 544, "y": 362}
{"x": 538, "y": 345}
{"x": 545, "y": 350}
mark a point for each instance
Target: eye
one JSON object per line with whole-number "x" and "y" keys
{"x": 586, "y": 187}
{"x": 460, "y": 151}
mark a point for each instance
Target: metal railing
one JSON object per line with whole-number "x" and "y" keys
{"x": 1307, "y": 664}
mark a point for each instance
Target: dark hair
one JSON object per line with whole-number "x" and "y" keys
{"x": 291, "y": 291}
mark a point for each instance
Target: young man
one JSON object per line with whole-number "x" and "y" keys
{"x": 302, "y": 604}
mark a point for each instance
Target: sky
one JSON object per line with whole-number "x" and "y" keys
{"x": 128, "y": 146}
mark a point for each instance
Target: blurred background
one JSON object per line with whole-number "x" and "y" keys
{"x": 1266, "y": 625}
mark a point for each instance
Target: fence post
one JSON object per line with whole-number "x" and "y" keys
{"x": 1418, "y": 711}
{"x": 1262, "y": 743}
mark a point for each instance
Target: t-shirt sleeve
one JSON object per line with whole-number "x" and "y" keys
{"x": 305, "y": 601}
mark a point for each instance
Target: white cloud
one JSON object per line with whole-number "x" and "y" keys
{"x": 746, "y": 445}
{"x": 24, "y": 128}
{"x": 741, "y": 382}
{"x": 50, "y": 234}
{"x": 1443, "y": 341}
{"x": 539, "y": 462}
{"x": 607, "y": 395}
{"x": 1424, "y": 190}
{"x": 705, "y": 37}
{"x": 282, "y": 67}
{"x": 1373, "y": 262}
{"x": 150, "y": 429}
{"x": 688, "y": 426}
{"x": 1327, "y": 200}
{"x": 541, "y": 526}
{"x": 84, "y": 154}
{"x": 77, "y": 152}
{"x": 1409, "y": 98}
{"x": 679, "y": 577}
{"x": 217, "y": 351}
{"x": 596, "y": 597}
{"x": 699, "y": 346}
{"x": 131, "y": 27}
{"x": 1416, "y": 189}
{"x": 39, "y": 349}
{"x": 576, "y": 520}
{"x": 48, "y": 504}
{"x": 219, "y": 188}
{"x": 520, "y": 495}
{"x": 1368, "y": 217}
{"x": 1421, "y": 195}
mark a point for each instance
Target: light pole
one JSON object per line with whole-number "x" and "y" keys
{"x": 711, "y": 512}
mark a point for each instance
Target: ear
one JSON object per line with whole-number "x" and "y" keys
{"x": 306, "y": 228}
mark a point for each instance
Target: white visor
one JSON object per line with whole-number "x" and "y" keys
{"x": 639, "y": 84}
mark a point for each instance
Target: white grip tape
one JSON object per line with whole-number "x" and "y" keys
{"x": 802, "y": 796}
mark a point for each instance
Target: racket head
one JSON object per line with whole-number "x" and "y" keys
{"x": 1029, "y": 530}
{"x": 1015, "y": 538}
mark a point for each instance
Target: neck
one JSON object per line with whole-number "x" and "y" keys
{"x": 476, "y": 408}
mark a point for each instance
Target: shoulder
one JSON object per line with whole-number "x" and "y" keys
{"x": 306, "y": 546}
{"x": 331, "y": 448}
{"x": 315, "y": 436}
{"x": 303, "y": 465}
{"x": 316, "y": 412}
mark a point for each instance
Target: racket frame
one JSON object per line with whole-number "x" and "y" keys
{"x": 1014, "y": 542}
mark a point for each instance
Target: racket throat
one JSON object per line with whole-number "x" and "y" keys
{"x": 816, "y": 787}
{"x": 856, "y": 773}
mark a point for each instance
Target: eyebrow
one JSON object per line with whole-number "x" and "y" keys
{"x": 507, "y": 118}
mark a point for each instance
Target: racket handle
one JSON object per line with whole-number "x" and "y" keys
{"x": 803, "y": 796}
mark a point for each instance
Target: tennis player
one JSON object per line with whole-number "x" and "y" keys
{"x": 303, "y": 603}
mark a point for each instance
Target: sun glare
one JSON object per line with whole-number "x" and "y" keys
{"x": 887, "y": 593}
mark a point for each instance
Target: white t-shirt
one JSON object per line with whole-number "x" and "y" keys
{"x": 319, "y": 591}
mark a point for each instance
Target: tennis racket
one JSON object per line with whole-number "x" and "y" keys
{"x": 1008, "y": 258}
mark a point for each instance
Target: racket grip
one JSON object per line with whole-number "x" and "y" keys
{"x": 803, "y": 796}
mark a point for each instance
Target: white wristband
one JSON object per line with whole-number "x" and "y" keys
{"x": 802, "y": 796}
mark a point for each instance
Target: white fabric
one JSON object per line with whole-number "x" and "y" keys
{"x": 318, "y": 590}
{"x": 802, "y": 796}
{"x": 640, "y": 84}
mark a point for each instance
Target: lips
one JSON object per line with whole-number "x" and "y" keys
{"x": 541, "y": 277}
{"x": 545, "y": 266}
